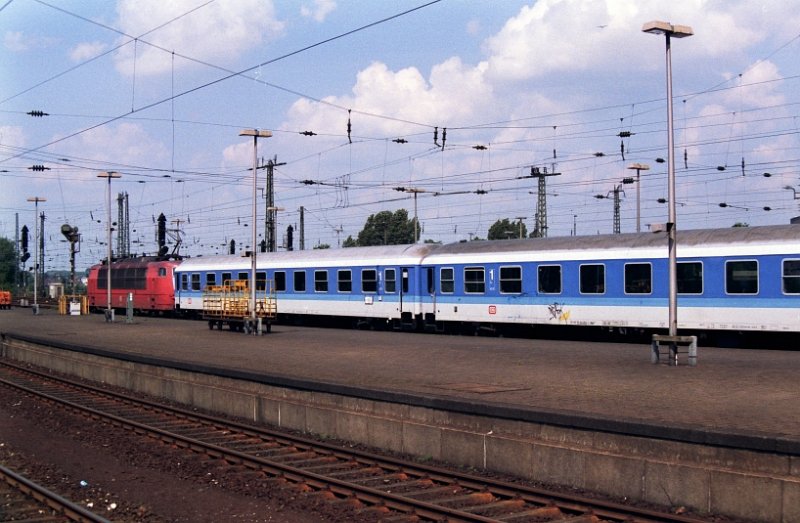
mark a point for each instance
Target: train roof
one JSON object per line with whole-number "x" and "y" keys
{"x": 730, "y": 241}
{"x": 696, "y": 242}
{"x": 378, "y": 255}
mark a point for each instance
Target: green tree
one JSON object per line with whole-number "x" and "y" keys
{"x": 388, "y": 228}
{"x": 322, "y": 246}
{"x": 8, "y": 264}
{"x": 350, "y": 242}
{"x": 505, "y": 229}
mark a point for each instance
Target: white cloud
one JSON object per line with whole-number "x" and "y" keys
{"x": 126, "y": 143}
{"x": 11, "y": 136}
{"x": 218, "y": 32}
{"x": 320, "y": 10}
{"x": 86, "y": 51}
{"x": 450, "y": 95}
{"x": 574, "y": 36}
{"x": 15, "y": 41}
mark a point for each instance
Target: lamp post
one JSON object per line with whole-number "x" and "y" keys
{"x": 670, "y": 31}
{"x": 639, "y": 167}
{"x": 36, "y": 200}
{"x": 256, "y": 134}
{"x": 109, "y": 310}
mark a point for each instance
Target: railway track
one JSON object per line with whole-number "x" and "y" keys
{"x": 374, "y": 486}
{"x": 24, "y": 500}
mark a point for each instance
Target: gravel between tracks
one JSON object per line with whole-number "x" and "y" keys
{"x": 132, "y": 480}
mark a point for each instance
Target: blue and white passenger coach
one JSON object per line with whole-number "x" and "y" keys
{"x": 375, "y": 284}
{"x": 734, "y": 279}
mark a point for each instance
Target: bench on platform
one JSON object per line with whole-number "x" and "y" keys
{"x": 674, "y": 342}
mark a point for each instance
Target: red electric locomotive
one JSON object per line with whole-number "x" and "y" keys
{"x": 149, "y": 280}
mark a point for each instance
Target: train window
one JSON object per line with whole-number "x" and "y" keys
{"x": 741, "y": 277}
{"x": 369, "y": 280}
{"x": 320, "y": 281}
{"x": 447, "y": 280}
{"x": 791, "y": 276}
{"x": 344, "y": 280}
{"x": 474, "y": 280}
{"x": 638, "y": 278}
{"x": 593, "y": 279}
{"x": 226, "y": 278}
{"x": 390, "y": 280}
{"x": 184, "y": 282}
{"x": 549, "y": 277}
{"x": 299, "y": 281}
{"x": 280, "y": 281}
{"x": 211, "y": 279}
{"x": 195, "y": 281}
{"x": 261, "y": 281}
{"x": 162, "y": 271}
{"x": 244, "y": 276}
{"x": 511, "y": 280}
{"x": 690, "y": 277}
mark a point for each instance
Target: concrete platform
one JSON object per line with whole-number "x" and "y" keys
{"x": 596, "y": 416}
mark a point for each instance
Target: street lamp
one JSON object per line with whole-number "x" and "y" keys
{"x": 639, "y": 167}
{"x": 670, "y": 31}
{"x": 109, "y": 310}
{"x": 36, "y": 201}
{"x": 256, "y": 134}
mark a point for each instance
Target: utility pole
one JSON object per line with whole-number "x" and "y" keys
{"x": 270, "y": 217}
{"x": 41, "y": 250}
{"x": 302, "y": 228}
{"x": 123, "y": 226}
{"x": 617, "y": 189}
{"x": 540, "y": 227}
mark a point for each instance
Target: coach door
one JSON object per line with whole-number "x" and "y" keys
{"x": 427, "y": 294}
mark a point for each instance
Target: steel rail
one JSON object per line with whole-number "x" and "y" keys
{"x": 58, "y": 504}
{"x": 575, "y": 505}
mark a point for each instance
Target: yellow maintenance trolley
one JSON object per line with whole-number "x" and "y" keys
{"x": 229, "y": 304}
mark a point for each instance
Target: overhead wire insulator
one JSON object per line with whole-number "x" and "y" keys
{"x": 37, "y": 113}
{"x": 308, "y": 133}
{"x": 444, "y": 137}
{"x": 436, "y": 137}
{"x": 38, "y": 168}
{"x": 349, "y": 127}
{"x": 479, "y": 147}
{"x": 400, "y": 140}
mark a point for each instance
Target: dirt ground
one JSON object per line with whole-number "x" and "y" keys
{"x": 126, "y": 479}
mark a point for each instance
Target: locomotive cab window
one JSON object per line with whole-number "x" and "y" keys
{"x": 741, "y": 277}
{"x": 344, "y": 280}
{"x": 447, "y": 280}
{"x": 791, "y": 277}
{"x": 369, "y": 280}
{"x": 299, "y": 281}
{"x": 162, "y": 271}
{"x": 511, "y": 280}
{"x": 196, "y": 281}
{"x": 280, "y": 281}
{"x": 390, "y": 281}
{"x": 474, "y": 280}
{"x": 320, "y": 281}
{"x": 638, "y": 278}
{"x": 211, "y": 279}
{"x": 690, "y": 278}
{"x": 549, "y": 277}
{"x": 593, "y": 279}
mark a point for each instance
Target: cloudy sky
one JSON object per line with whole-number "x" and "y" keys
{"x": 159, "y": 91}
